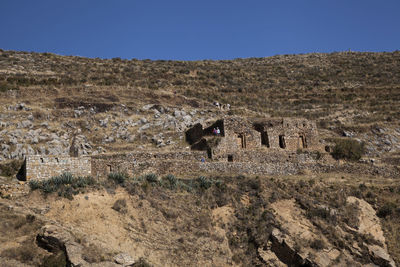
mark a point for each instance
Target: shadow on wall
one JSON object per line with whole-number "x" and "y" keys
{"x": 196, "y": 133}
{"x": 218, "y": 124}
{"x": 21, "y": 175}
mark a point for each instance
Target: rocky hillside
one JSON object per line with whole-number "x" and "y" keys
{"x": 218, "y": 221}
{"x": 50, "y": 103}
{"x": 112, "y": 105}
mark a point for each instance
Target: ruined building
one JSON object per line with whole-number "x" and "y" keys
{"x": 243, "y": 140}
{"x": 259, "y": 146}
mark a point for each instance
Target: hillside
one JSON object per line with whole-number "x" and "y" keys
{"x": 344, "y": 216}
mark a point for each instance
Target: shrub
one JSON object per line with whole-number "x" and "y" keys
{"x": 204, "y": 183}
{"x": 54, "y": 260}
{"x": 172, "y": 181}
{"x": 120, "y": 206}
{"x": 317, "y": 244}
{"x": 118, "y": 177}
{"x": 348, "y": 149}
{"x": 142, "y": 263}
{"x": 34, "y": 184}
{"x": 64, "y": 184}
{"x": 10, "y": 168}
{"x": 385, "y": 210}
{"x": 151, "y": 178}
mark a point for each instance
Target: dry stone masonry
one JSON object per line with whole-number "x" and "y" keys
{"x": 44, "y": 167}
{"x": 260, "y": 146}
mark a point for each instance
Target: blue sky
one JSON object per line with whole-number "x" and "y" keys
{"x": 191, "y": 30}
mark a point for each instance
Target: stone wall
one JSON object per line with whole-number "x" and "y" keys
{"x": 186, "y": 163}
{"x": 135, "y": 163}
{"x": 290, "y": 134}
{"x": 268, "y": 135}
{"x": 44, "y": 167}
{"x": 101, "y": 167}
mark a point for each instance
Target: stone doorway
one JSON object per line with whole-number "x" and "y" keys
{"x": 282, "y": 142}
{"x": 241, "y": 140}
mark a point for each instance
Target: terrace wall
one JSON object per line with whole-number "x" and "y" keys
{"x": 44, "y": 167}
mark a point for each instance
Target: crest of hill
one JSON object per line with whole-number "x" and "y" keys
{"x": 309, "y": 85}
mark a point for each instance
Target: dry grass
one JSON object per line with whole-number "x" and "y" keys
{"x": 311, "y": 85}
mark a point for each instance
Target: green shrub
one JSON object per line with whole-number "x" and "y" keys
{"x": 172, "y": 181}
{"x": 64, "y": 184}
{"x": 348, "y": 149}
{"x": 151, "y": 178}
{"x": 204, "y": 183}
{"x": 34, "y": 184}
{"x": 386, "y": 210}
{"x": 118, "y": 177}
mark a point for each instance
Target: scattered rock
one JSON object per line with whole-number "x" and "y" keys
{"x": 124, "y": 259}
{"x": 348, "y": 134}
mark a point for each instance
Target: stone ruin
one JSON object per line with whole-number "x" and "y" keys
{"x": 244, "y": 146}
{"x": 239, "y": 137}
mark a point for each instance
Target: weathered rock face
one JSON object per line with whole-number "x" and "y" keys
{"x": 301, "y": 243}
{"x": 368, "y": 222}
{"x": 55, "y": 239}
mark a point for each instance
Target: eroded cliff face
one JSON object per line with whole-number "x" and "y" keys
{"x": 239, "y": 221}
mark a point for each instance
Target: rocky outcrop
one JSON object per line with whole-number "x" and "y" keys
{"x": 55, "y": 239}
{"x": 300, "y": 243}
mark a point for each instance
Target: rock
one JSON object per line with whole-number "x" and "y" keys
{"x": 5, "y": 147}
{"x": 177, "y": 114}
{"x": 187, "y": 118}
{"x": 44, "y": 124}
{"x": 26, "y": 124}
{"x": 147, "y": 107}
{"x": 143, "y": 120}
{"x": 348, "y": 134}
{"x": 130, "y": 138}
{"x": 368, "y": 222}
{"x": 35, "y": 140}
{"x": 78, "y": 113}
{"x": 124, "y": 259}
{"x": 144, "y": 127}
{"x": 19, "y": 106}
{"x": 103, "y": 123}
{"x": 30, "y": 117}
{"x": 109, "y": 139}
{"x": 380, "y": 256}
{"x": 54, "y": 239}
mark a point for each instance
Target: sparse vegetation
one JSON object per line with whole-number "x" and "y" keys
{"x": 118, "y": 177}
{"x": 341, "y": 91}
{"x": 120, "y": 206}
{"x": 348, "y": 149}
{"x": 65, "y": 184}
{"x": 10, "y": 168}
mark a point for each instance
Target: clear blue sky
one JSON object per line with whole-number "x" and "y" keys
{"x": 202, "y": 29}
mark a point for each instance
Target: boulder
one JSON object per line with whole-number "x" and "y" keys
{"x": 380, "y": 256}
{"x": 124, "y": 259}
